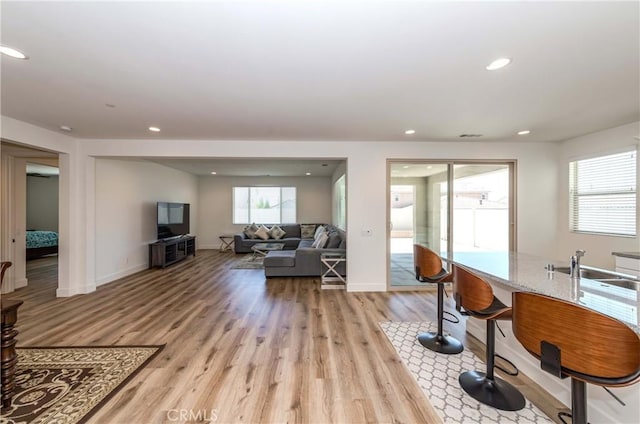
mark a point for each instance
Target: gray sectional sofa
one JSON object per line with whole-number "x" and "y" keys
{"x": 298, "y": 258}
{"x": 291, "y": 240}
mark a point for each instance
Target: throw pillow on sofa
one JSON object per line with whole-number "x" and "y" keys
{"x": 263, "y": 233}
{"x": 250, "y": 231}
{"x": 307, "y": 231}
{"x": 320, "y": 241}
{"x": 319, "y": 230}
{"x": 276, "y": 232}
{"x": 334, "y": 241}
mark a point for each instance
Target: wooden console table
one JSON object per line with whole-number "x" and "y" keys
{"x": 166, "y": 252}
{"x": 9, "y": 356}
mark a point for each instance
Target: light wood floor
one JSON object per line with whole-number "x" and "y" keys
{"x": 252, "y": 350}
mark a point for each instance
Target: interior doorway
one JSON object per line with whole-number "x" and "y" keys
{"x": 42, "y": 233}
{"x": 14, "y": 219}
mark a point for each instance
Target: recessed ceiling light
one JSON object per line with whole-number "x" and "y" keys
{"x": 154, "y": 129}
{"x": 66, "y": 128}
{"x": 308, "y": 173}
{"x": 405, "y": 167}
{"x": 498, "y": 63}
{"x": 16, "y": 54}
{"x": 524, "y": 132}
{"x": 410, "y": 132}
{"x": 213, "y": 172}
{"x": 429, "y": 167}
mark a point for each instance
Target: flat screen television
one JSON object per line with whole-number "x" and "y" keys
{"x": 173, "y": 220}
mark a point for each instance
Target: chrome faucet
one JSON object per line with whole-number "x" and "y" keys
{"x": 574, "y": 264}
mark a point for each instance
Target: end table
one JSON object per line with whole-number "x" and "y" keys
{"x": 331, "y": 278}
{"x": 226, "y": 243}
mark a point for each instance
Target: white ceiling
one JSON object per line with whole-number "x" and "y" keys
{"x": 253, "y": 167}
{"x": 311, "y": 70}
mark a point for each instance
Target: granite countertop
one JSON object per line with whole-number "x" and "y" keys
{"x": 519, "y": 271}
{"x": 632, "y": 255}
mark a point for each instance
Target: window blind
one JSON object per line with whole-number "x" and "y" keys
{"x": 602, "y": 194}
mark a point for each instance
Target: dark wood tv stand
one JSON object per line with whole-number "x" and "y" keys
{"x": 166, "y": 252}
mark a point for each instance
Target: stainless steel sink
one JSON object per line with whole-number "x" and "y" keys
{"x": 591, "y": 274}
{"x": 604, "y": 276}
{"x": 621, "y": 282}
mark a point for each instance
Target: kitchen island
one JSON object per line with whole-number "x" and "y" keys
{"x": 510, "y": 271}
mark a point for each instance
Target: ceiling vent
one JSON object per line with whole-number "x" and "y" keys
{"x": 470, "y": 135}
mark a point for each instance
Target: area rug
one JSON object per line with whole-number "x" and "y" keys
{"x": 249, "y": 262}
{"x": 437, "y": 376}
{"x": 65, "y": 385}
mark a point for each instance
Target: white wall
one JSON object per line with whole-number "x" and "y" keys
{"x": 80, "y": 184}
{"x": 42, "y": 203}
{"x": 73, "y": 258}
{"x": 598, "y": 247}
{"x": 367, "y": 181}
{"x": 126, "y": 193}
{"x": 215, "y": 203}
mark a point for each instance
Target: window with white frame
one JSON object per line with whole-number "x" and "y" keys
{"x": 339, "y": 203}
{"x": 602, "y": 194}
{"x": 264, "y": 205}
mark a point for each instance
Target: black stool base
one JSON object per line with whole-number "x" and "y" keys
{"x": 440, "y": 343}
{"x": 493, "y": 392}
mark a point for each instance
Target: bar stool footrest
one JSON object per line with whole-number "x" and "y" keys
{"x": 454, "y": 319}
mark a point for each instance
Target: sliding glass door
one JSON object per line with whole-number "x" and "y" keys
{"x": 477, "y": 214}
{"x": 481, "y": 207}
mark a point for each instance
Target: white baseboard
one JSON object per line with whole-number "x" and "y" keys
{"x": 20, "y": 283}
{"x": 122, "y": 273}
{"x": 208, "y": 247}
{"x": 68, "y": 292}
{"x": 366, "y": 287}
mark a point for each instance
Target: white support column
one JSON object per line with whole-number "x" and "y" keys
{"x": 75, "y": 269}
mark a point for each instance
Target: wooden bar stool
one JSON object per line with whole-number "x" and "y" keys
{"x": 429, "y": 269}
{"x": 475, "y": 296}
{"x": 573, "y": 341}
{"x": 3, "y": 268}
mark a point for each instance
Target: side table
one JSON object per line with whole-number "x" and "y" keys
{"x": 9, "y": 356}
{"x": 331, "y": 278}
{"x": 226, "y": 243}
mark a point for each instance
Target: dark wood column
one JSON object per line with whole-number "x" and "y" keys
{"x": 9, "y": 357}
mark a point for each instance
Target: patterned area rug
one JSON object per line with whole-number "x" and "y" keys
{"x": 249, "y": 262}
{"x": 437, "y": 376}
{"x": 68, "y": 384}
